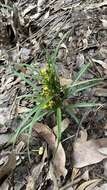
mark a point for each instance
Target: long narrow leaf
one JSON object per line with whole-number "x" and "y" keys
{"x": 58, "y": 117}
{"x": 82, "y": 71}
{"x": 84, "y": 105}
{"x": 83, "y": 85}
{"x": 23, "y": 77}
{"x": 86, "y": 81}
{"x": 72, "y": 115}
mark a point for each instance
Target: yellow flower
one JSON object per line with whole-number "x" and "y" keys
{"x": 43, "y": 72}
{"x": 45, "y": 88}
{"x": 49, "y": 105}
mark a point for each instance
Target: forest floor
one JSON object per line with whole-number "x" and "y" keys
{"x": 29, "y": 30}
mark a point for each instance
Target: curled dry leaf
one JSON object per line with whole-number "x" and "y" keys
{"x": 89, "y": 185}
{"x": 59, "y": 158}
{"x": 8, "y": 167}
{"x": 102, "y": 63}
{"x": 87, "y": 152}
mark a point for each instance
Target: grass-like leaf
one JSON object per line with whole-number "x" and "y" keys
{"x": 82, "y": 71}
{"x": 83, "y": 85}
{"x": 23, "y": 77}
{"x": 59, "y": 119}
{"x": 84, "y": 105}
{"x": 72, "y": 115}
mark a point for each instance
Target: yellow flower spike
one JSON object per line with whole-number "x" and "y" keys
{"x": 45, "y": 88}
{"x": 43, "y": 72}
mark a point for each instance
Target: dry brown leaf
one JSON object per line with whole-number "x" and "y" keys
{"x": 4, "y": 115}
{"x": 4, "y": 138}
{"x": 102, "y": 187}
{"x": 96, "y": 5}
{"x": 102, "y": 63}
{"x": 4, "y": 186}
{"x": 65, "y": 82}
{"x": 19, "y": 147}
{"x": 59, "y": 158}
{"x": 52, "y": 176}
{"x": 30, "y": 183}
{"x": 105, "y": 167}
{"x": 21, "y": 109}
{"x": 101, "y": 92}
{"x": 103, "y": 150}
{"x": 86, "y": 152}
{"x": 104, "y": 23}
{"x": 89, "y": 185}
{"x": 64, "y": 125}
{"x": 8, "y": 167}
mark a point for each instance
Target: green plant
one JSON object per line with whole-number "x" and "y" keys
{"x": 51, "y": 96}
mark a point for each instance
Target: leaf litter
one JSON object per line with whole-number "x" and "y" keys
{"x": 27, "y": 28}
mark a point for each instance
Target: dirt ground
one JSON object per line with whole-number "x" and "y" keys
{"x": 27, "y": 30}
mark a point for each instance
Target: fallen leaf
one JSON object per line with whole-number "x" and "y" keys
{"x": 89, "y": 185}
{"x": 58, "y": 152}
{"x": 4, "y": 138}
{"x": 86, "y": 152}
{"x": 30, "y": 183}
{"x": 102, "y": 63}
{"x": 4, "y": 186}
{"x": 103, "y": 150}
{"x": 21, "y": 109}
{"x": 8, "y": 167}
{"x": 4, "y": 115}
{"x": 104, "y": 23}
{"x": 101, "y": 92}
{"x": 102, "y": 187}
{"x": 105, "y": 167}
{"x": 64, "y": 125}
{"x": 65, "y": 82}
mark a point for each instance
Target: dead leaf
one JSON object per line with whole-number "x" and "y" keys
{"x": 102, "y": 63}
{"x": 86, "y": 152}
{"x": 64, "y": 125}
{"x": 89, "y": 185}
{"x": 51, "y": 175}
{"x": 105, "y": 167}
{"x": 65, "y": 82}
{"x": 4, "y": 138}
{"x": 30, "y": 183}
{"x": 4, "y": 114}
{"x": 4, "y": 186}
{"x": 59, "y": 158}
{"x": 8, "y": 167}
{"x": 19, "y": 147}
{"x": 21, "y": 109}
{"x": 102, "y": 187}
{"x": 103, "y": 150}
{"x": 101, "y": 92}
{"x": 104, "y": 23}
{"x": 58, "y": 161}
